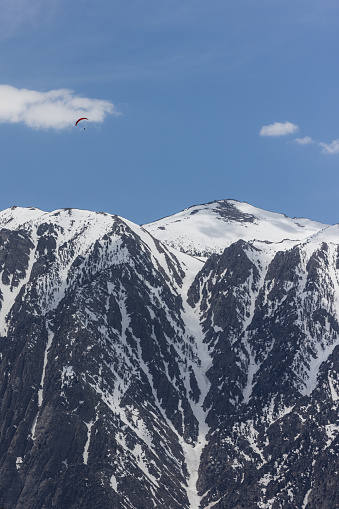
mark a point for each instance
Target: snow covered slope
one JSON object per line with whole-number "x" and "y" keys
{"x": 94, "y": 301}
{"x": 205, "y": 229}
{"x": 135, "y": 375}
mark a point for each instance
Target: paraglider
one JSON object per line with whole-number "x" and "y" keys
{"x": 79, "y": 119}
{"x": 82, "y": 118}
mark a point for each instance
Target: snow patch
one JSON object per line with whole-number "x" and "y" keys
{"x": 18, "y": 462}
{"x": 48, "y": 346}
{"x": 114, "y": 483}
{"x": 305, "y": 501}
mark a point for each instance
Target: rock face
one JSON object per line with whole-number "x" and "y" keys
{"x": 133, "y": 375}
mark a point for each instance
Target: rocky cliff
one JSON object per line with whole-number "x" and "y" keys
{"x": 135, "y": 375}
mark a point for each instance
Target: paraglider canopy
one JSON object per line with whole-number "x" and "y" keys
{"x": 82, "y": 118}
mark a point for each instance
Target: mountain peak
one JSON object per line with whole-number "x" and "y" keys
{"x": 209, "y": 228}
{"x": 134, "y": 375}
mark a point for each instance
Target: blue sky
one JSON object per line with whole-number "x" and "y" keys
{"x": 188, "y": 101}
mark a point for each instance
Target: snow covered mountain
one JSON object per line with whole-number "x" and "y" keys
{"x": 192, "y": 362}
{"x": 205, "y": 229}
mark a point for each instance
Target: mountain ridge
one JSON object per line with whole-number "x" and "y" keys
{"x": 213, "y": 226}
{"x": 135, "y": 375}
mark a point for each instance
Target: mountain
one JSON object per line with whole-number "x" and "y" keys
{"x": 188, "y": 363}
{"x": 202, "y": 230}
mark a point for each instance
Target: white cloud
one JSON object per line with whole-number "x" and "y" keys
{"x": 332, "y": 148}
{"x": 56, "y": 109}
{"x": 306, "y": 140}
{"x": 284, "y": 128}
{"x": 278, "y": 129}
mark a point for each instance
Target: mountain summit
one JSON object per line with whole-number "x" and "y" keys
{"x": 205, "y": 229}
{"x": 192, "y": 362}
